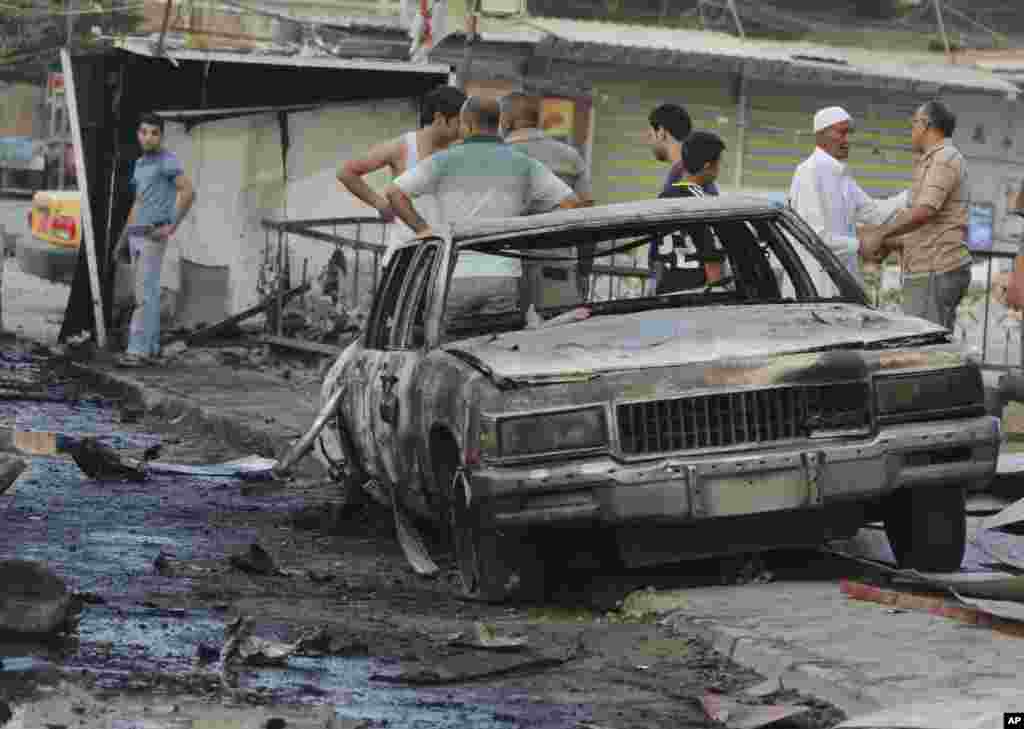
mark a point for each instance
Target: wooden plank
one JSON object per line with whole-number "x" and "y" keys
{"x": 88, "y": 231}
{"x": 241, "y": 316}
{"x": 302, "y": 344}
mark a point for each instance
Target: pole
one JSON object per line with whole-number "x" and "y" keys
{"x": 63, "y": 147}
{"x": 988, "y": 298}
{"x": 736, "y": 18}
{"x": 163, "y": 30}
{"x": 70, "y": 22}
{"x": 472, "y": 19}
{"x": 742, "y": 103}
{"x": 942, "y": 25}
{"x": 88, "y": 231}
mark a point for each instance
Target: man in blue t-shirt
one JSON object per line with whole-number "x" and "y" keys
{"x": 163, "y": 197}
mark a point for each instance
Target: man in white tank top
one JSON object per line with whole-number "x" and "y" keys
{"x": 439, "y": 127}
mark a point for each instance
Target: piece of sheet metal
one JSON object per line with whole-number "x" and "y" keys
{"x": 1010, "y": 519}
{"x": 250, "y": 468}
{"x": 986, "y": 504}
{"x": 1010, "y": 464}
{"x": 986, "y": 571}
{"x": 412, "y": 543}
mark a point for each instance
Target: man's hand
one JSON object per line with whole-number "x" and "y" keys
{"x": 872, "y": 240}
{"x": 425, "y": 233}
{"x": 163, "y": 232}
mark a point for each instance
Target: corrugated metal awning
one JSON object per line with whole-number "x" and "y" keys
{"x": 145, "y": 48}
{"x": 614, "y": 43}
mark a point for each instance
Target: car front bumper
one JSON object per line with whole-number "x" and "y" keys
{"x": 680, "y": 489}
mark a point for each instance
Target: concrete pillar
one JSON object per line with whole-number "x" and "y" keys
{"x": 742, "y": 116}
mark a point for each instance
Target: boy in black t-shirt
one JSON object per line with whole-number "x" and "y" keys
{"x": 703, "y": 152}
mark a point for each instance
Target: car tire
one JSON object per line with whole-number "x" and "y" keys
{"x": 927, "y": 527}
{"x": 493, "y": 565}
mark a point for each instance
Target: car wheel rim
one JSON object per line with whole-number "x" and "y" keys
{"x": 464, "y": 534}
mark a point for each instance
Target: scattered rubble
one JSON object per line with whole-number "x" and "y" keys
{"x": 103, "y": 463}
{"x": 736, "y": 714}
{"x": 34, "y": 601}
{"x": 486, "y": 636}
{"x": 255, "y": 561}
{"x": 336, "y": 722}
{"x": 650, "y": 603}
{"x": 470, "y": 666}
{"x": 327, "y": 642}
{"x": 319, "y": 576}
{"x": 1009, "y": 520}
{"x": 242, "y": 647}
{"x": 10, "y": 468}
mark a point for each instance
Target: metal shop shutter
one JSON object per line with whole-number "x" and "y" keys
{"x": 780, "y": 135}
{"x": 622, "y": 166}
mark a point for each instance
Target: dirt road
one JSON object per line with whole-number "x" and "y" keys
{"x": 153, "y": 563}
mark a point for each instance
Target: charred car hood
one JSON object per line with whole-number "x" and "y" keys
{"x": 667, "y": 337}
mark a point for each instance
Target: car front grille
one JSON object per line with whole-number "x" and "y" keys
{"x": 741, "y": 418}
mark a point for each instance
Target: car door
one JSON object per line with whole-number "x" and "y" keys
{"x": 391, "y": 389}
{"x": 358, "y": 405}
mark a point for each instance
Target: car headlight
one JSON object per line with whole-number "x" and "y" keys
{"x": 571, "y": 430}
{"x": 899, "y": 397}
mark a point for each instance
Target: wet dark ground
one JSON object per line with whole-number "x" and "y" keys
{"x": 142, "y": 627}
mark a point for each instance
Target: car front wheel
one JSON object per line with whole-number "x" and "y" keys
{"x": 494, "y": 565}
{"x": 927, "y": 527}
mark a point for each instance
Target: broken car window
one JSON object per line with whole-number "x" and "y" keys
{"x": 409, "y": 331}
{"x": 505, "y": 285}
{"x": 382, "y": 318}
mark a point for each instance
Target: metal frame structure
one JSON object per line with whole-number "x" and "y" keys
{"x": 315, "y": 229}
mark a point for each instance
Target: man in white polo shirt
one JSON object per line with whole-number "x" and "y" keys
{"x": 825, "y": 194}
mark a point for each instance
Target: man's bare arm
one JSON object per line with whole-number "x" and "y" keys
{"x": 186, "y": 196}
{"x": 907, "y": 221}
{"x": 404, "y": 209}
{"x": 350, "y": 174}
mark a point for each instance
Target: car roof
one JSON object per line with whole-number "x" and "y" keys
{"x": 647, "y": 211}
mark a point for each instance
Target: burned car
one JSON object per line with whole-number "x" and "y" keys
{"x": 534, "y": 389}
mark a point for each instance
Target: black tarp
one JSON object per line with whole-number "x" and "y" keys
{"x": 113, "y": 89}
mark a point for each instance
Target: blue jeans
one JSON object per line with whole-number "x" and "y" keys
{"x": 144, "y": 330}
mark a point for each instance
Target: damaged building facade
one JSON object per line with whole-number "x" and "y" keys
{"x": 599, "y": 80}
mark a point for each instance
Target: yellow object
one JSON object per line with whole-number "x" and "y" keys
{"x": 558, "y": 117}
{"x": 56, "y": 217}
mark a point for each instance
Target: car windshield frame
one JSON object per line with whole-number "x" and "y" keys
{"x": 785, "y": 230}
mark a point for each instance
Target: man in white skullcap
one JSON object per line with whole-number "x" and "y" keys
{"x": 827, "y": 197}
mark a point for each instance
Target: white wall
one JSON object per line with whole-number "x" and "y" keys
{"x": 992, "y": 166}
{"x": 236, "y": 166}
